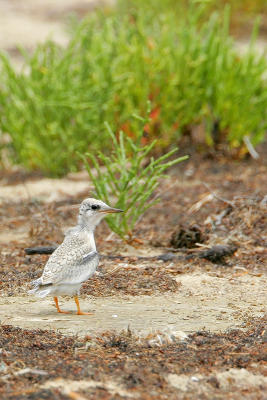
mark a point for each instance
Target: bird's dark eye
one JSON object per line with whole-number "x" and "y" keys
{"x": 95, "y": 207}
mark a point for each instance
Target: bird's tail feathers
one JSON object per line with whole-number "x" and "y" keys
{"x": 37, "y": 282}
{"x": 39, "y": 293}
{"x": 40, "y": 290}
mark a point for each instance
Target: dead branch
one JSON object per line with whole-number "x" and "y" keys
{"x": 214, "y": 254}
{"x": 231, "y": 203}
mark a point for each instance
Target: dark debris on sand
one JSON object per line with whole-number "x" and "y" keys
{"x": 230, "y": 211}
{"x": 140, "y": 366}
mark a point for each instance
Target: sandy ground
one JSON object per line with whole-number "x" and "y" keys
{"x": 46, "y": 190}
{"x": 204, "y": 301}
{"x": 215, "y": 300}
{"x": 179, "y": 329}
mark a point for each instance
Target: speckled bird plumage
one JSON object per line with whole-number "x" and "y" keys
{"x": 76, "y": 259}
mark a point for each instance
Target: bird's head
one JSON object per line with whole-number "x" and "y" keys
{"x": 92, "y": 211}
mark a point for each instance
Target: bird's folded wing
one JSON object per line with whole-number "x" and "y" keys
{"x": 89, "y": 257}
{"x": 69, "y": 266}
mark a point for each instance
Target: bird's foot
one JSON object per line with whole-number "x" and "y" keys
{"x": 84, "y": 313}
{"x": 63, "y": 312}
{"x": 58, "y": 309}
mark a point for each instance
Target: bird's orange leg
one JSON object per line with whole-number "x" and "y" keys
{"x": 79, "y": 312}
{"x": 58, "y": 309}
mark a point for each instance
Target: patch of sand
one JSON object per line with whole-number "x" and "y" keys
{"x": 204, "y": 301}
{"x": 46, "y": 190}
{"x": 67, "y": 387}
{"x": 225, "y": 380}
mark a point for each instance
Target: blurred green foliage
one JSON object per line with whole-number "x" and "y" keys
{"x": 184, "y": 62}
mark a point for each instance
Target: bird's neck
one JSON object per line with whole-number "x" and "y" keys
{"x": 87, "y": 234}
{"x": 91, "y": 239}
{"x": 88, "y": 228}
{"x": 89, "y": 224}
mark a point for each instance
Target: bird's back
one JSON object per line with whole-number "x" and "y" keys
{"x": 74, "y": 261}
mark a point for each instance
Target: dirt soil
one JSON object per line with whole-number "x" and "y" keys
{"x": 46, "y": 365}
{"x": 193, "y": 328}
